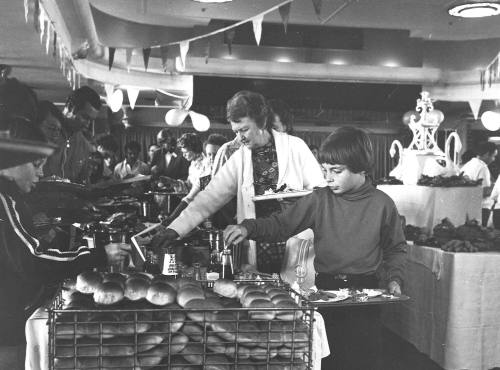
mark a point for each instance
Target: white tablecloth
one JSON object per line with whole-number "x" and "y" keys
{"x": 426, "y": 206}
{"x": 37, "y": 341}
{"x": 454, "y": 312}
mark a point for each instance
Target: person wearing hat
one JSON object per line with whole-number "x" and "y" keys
{"x": 29, "y": 265}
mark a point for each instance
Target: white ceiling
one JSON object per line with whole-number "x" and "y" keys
{"x": 20, "y": 46}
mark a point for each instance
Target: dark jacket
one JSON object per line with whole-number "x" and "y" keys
{"x": 178, "y": 168}
{"x": 28, "y": 265}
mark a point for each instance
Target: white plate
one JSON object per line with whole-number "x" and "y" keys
{"x": 287, "y": 194}
{"x": 340, "y": 296}
{"x": 372, "y": 292}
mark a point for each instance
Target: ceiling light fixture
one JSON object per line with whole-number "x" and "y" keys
{"x": 475, "y": 9}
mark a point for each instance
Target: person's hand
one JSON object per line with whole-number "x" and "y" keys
{"x": 167, "y": 180}
{"x": 394, "y": 288}
{"x": 117, "y": 252}
{"x": 234, "y": 234}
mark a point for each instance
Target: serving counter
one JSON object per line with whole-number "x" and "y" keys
{"x": 453, "y": 314}
{"x": 426, "y": 206}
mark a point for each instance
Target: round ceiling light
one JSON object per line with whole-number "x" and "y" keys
{"x": 473, "y": 9}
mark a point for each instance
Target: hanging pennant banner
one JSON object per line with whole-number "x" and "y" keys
{"x": 257, "y": 27}
{"x": 229, "y": 38}
{"x": 26, "y": 10}
{"x": 42, "y": 24}
{"x": 475, "y": 105}
{"x": 317, "y": 7}
{"x": 164, "y": 57}
{"x": 128, "y": 57}
{"x": 111, "y": 58}
{"x": 132, "y": 93}
{"x": 47, "y": 40}
{"x": 285, "y": 14}
{"x": 183, "y": 49}
{"x": 109, "y": 89}
{"x": 146, "y": 52}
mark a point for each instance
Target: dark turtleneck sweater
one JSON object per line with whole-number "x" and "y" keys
{"x": 354, "y": 233}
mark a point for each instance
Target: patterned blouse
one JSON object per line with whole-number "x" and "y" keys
{"x": 265, "y": 175}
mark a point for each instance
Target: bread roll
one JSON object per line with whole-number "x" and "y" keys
{"x": 167, "y": 280}
{"x": 88, "y": 281}
{"x": 267, "y": 314}
{"x": 243, "y": 352}
{"x": 295, "y": 333}
{"x": 136, "y": 288}
{"x": 183, "y": 281}
{"x": 168, "y": 320}
{"x": 273, "y": 291}
{"x": 247, "y": 299}
{"x": 140, "y": 275}
{"x": 161, "y": 294}
{"x": 288, "y": 315}
{"x": 241, "y": 289}
{"x": 115, "y": 277}
{"x": 117, "y": 346}
{"x": 224, "y": 325}
{"x": 251, "y": 288}
{"x": 193, "y": 353}
{"x": 281, "y": 298}
{"x": 209, "y": 307}
{"x": 108, "y": 293}
{"x": 193, "y": 331}
{"x": 287, "y": 352}
{"x": 154, "y": 356}
{"x": 273, "y": 338}
{"x": 226, "y": 288}
{"x": 262, "y": 354}
{"x": 187, "y": 293}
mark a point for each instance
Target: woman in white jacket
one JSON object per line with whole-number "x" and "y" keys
{"x": 267, "y": 160}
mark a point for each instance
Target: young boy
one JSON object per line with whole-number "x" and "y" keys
{"x": 358, "y": 241}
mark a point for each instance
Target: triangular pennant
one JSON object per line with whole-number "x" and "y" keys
{"x": 42, "y": 24}
{"x": 207, "y": 50}
{"x": 257, "y": 27}
{"x": 183, "y": 49}
{"x": 36, "y": 16}
{"x": 128, "y": 58}
{"x": 146, "y": 52}
{"x": 26, "y": 10}
{"x": 317, "y": 7}
{"x": 133, "y": 93}
{"x": 475, "y": 105}
{"x": 230, "y": 37}
{"x": 111, "y": 58}
{"x": 47, "y": 40}
{"x": 164, "y": 57}
{"x": 109, "y": 89}
{"x": 285, "y": 14}
{"x": 54, "y": 44}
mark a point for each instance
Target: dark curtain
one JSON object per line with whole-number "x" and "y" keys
{"x": 146, "y": 135}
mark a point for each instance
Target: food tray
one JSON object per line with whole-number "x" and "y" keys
{"x": 282, "y": 195}
{"x": 125, "y": 337}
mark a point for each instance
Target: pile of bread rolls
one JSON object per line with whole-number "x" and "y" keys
{"x": 138, "y": 321}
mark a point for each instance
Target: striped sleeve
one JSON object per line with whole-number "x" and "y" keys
{"x": 30, "y": 242}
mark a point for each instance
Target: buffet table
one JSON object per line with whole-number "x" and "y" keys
{"x": 426, "y": 206}
{"x": 453, "y": 313}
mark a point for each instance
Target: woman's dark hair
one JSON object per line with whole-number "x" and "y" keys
{"x": 133, "y": 146}
{"x": 348, "y": 146}
{"x": 23, "y": 129}
{"x": 78, "y": 98}
{"x": 190, "y": 142}
{"x": 252, "y": 105}
{"x": 216, "y": 139}
{"x": 282, "y": 110}
{"x": 467, "y": 156}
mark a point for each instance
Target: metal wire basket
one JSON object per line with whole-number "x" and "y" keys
{"x": 139, "y": 336}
